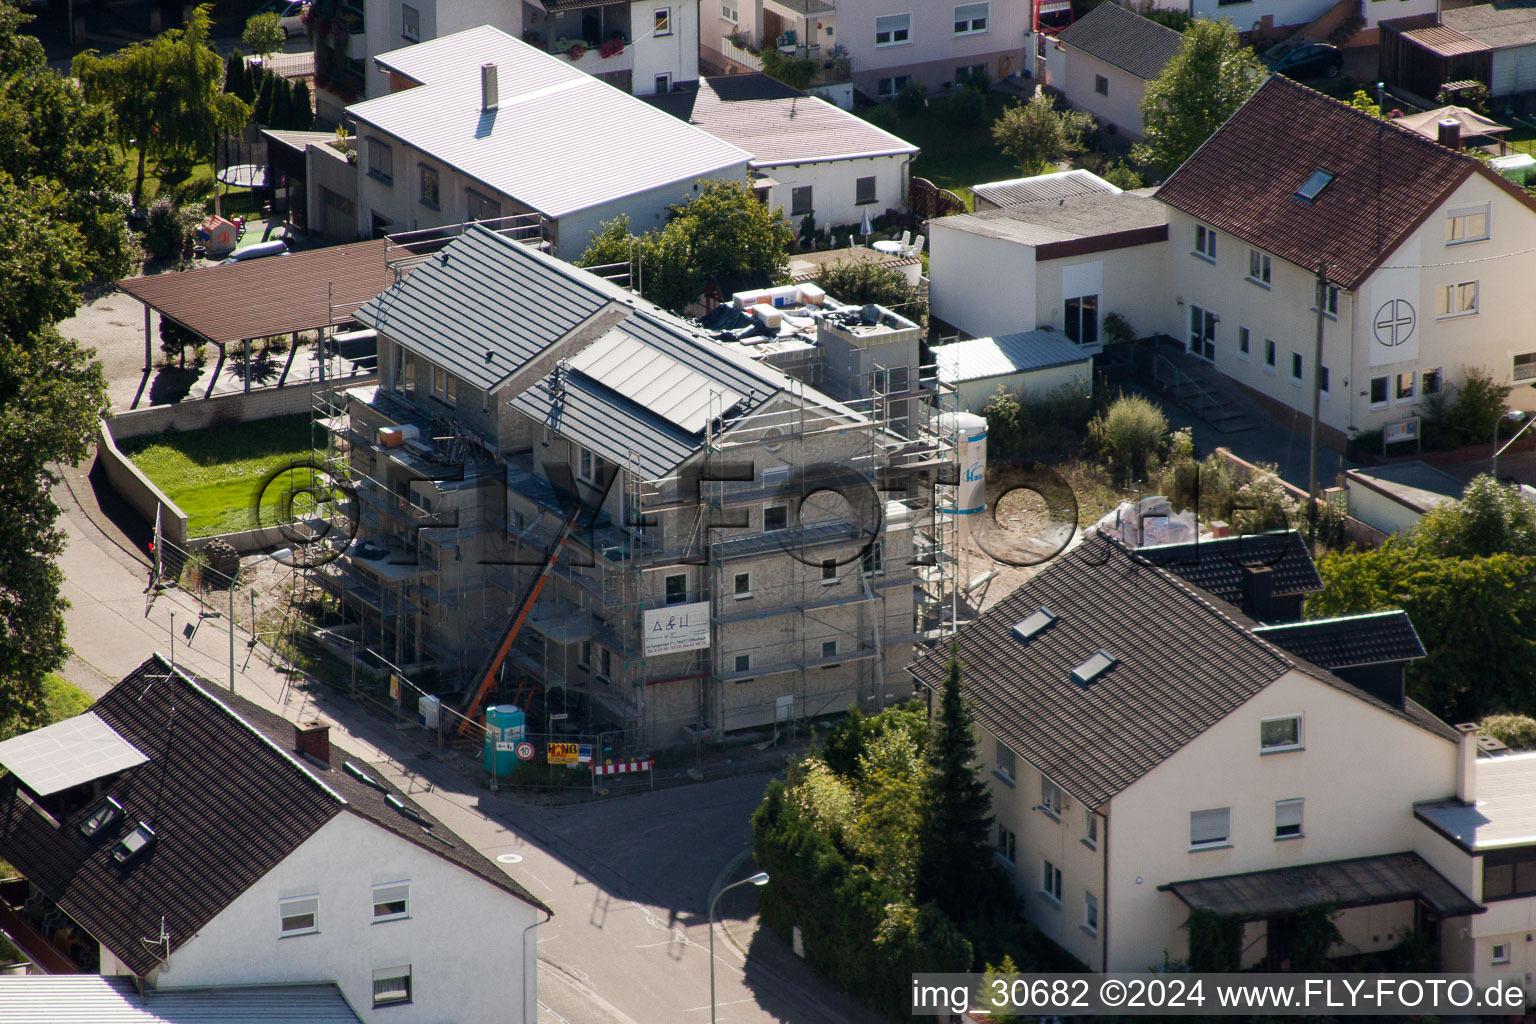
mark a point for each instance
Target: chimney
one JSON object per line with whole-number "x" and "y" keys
{"x": 314, "y": 739}
{"x": 1220, "y": 528}
{"x": 1466, "y": 764}
{"x": 1449, "y": 133}
{"x": 1258, "y": 592}
{"x": 488, "y": 92}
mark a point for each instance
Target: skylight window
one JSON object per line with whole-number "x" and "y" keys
{"x": 400, "y": 808}
{"x": 1090, "y": 670}
{"x": 1314, "y": 185}
{"x": 134, "y": 844}
{"x": 101, "y": 819}
{"x": 362, "y": 776}
{"x": 1034, "y": 624}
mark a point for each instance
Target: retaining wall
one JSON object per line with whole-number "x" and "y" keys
{"x": 223, "y": 410}
{"x": 1358, "y": 532}
{"x": 139, "y": 491}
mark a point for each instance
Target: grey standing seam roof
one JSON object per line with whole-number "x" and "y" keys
{"x": 94, "y": 999}
{"x": 981, "y": 358}
{"x": 1125, "y": 39}
{"x": 484, "y": 293}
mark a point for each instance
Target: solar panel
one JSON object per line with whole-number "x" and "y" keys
{"x": 68, "y": 754}
{"x": 649, "y": 377}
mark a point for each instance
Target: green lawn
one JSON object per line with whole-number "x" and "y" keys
{"x": 213, "y": 474}
{"x": 956, "y": 157}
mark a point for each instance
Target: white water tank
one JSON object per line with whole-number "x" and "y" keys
{"x": 969, "y": 432}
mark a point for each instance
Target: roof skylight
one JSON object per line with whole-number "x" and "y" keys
{"x": 1037, "y": 622}
{"x": 1090, "y": 670}
{"x": 134, "y": 843}
{"x": 1314, "y": 185}
{"x": 102, "y": 818}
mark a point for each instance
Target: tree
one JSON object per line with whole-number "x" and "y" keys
{"x": 864, "y": 280}
{"x": 1037, "y": 135}
{"x": 1129, "y": 433}
{"x": 282, "y": 103}
{"x": 266, "y": 99}
{"x": 1489, "y": 519}
{"x": 957, "y": 824}
{"x": 264, "y": 34}
{"x": 303, "y": 108}
{"x": 234, "y": 72}
{"x": 1122, "y": 175}
{"x": 1203, "y": 85}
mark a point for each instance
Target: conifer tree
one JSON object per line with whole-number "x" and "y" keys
{"x": 957, "y": 824}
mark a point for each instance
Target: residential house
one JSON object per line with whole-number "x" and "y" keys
{"x": 693, "y": 464}
{"x": 1266, "y": 20}
{"x": 187, "y": 839}
{"x": 637, "y": 46}
{"x": 1109, "y": 56}
{"x": 1494, "y": 44}
{"x": 483, "y": 126}
{"x": 1153, "y": 751}
{"x": 1418, "y": 242}
{"x": 879, "y": 45}
{"x": 1062, "y": 263}
{"x": 809, "y": 157}
{"x": 1393, "y": 498}
{"x": 1034, "y": 363}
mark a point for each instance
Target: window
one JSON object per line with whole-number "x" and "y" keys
{"x": 1205, "y": 241}
{"x": 1101, "y": 85}
{"x": 661, "y": 21}
{"x": 874, "y": 560}
{"x": 1050, "y": 881}
{"x": 775, "y": 476}
{"x": 410, "y": 23}
{"x": 1466, "y": 225}
{"x": 1090, "y": 913}
{"x": 584, "y": 658}
{"x": 480, "y": 207}
{"x": 677, "y": 589}
{"x": 1288, "y": 818}
{"x": 1456, "y": 299}
{"x": 1277, "y": 734}
{"x": 662, "y": 84}
{"x": 392, "y": 985}
{"x": 1202, "y": 333}
{"x": 1210, "y": 828}
{"x": 429, "y": 187}
{"x": 1405, "y": 386}
{"x": 1242, "y": 342}
{"x": 1082, "y": 319}
{"x": 1007, "y": 845}
{"x": 728, "y": 12}
{"x": 743, "y": 586}
{"x": 1525, "y": 366}
{"x": 1509, "y": 873}
{"x": 970, "y": 19}
{"x": 1258, "y": 267}
{"x": 1500, "y": 953}
{"x": 893, "y": 29}
{"x": 586, "y": 466}
{"x": 1322, "y": 379}
{"x": 1269, "y": 353}
{"x": 1314, "y": 185}
{"x": 829, "y": 648}
{"x": 889, "y": 87}
{"x": 775, "y": 517}
{"x": 1050, "y": 798}
{"x": 1378, "y": 390}
{"x": 865, "y": 191}
{"x": 605, "y": 663}
{"x": 829, "y": 570}
{"x": 1296, "y": 365}
{"x": 1003, "y": 760}
{"x": 300, "y": 915}
{"x": 1430, "y": 381}
{"x": 381, "y": 162}
{"x": 800, "y": 201}
{"x": 971, "y": 73}
{"x": 1090, "y": 829}
{"x": 1331, "y": 304}
{"x": 743, "y": 663}
{"x": 391, "y": 902}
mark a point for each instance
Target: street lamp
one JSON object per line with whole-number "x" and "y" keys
{"x": 1514, "y": 416}
{"x": 759, "y": 879}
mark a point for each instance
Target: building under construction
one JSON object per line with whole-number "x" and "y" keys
{"x": 587, "y": 503}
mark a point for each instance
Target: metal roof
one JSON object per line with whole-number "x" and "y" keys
{"x": 560, "y": 140}
{"x": 1044, "y": 187}
{"x": 1497, "y": 26}
{"x": 486, "y": 305}
{"x": 94, "y": 999}
{"x": 1008, "y": 354}
{"x": 1124, "y": 39}
{"x": 1505, "y": 812}
{"x": 1438, "y": 39}
{"x": 68, "y": 754}
{"x": 274, "y": 295}
{"x": 677, "y": 393}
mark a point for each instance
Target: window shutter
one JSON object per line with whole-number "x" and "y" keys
{"x": 1209, "y": 826}
{"x": 1287, "y": 814}
{"x": 391, "y": 894}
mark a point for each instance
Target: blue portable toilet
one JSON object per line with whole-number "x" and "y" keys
{"x": 505, "y": 727}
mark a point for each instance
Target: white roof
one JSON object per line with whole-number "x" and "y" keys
{"x": 74, "y": 751}
{"x": 1505, "y": 812}
{"x": 655, "y": 381}
{"x": 982, "y": 358}
{"x": 560, "y": 140}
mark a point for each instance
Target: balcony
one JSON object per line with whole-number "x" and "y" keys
{"x": 43, "y": 933}
{"x": 596, "y": 38}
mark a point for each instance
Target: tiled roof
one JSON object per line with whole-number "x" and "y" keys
{"x": 228, "y": 804}
{"x": 1124, "y": 39}
{"x": 1348, "y": 641}
{"x": 1386, "y": 180}
{"x": 1216, "y": 566}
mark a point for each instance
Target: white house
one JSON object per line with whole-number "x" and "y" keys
{"x": 1393, "y": 498}
{"x": 1152, "y": 750}
{"x": 1108, "y": 58}
{"x": 810, "y": 158}
{"x": 1422, "y": 247}
{"x": 483, "y": 126}
{"x": 189, "y": 839}
{"x": 1063, "y": 263}
{"x": 1031, "y": 363}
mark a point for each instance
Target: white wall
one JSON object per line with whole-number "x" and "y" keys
{"x": 973, "y": 395}
{"x": 934, "y": 51}
{"x": 1373, "y": 508}
{"x": 1120, "y": 106}
{"x": 646, "y": 210}
{"x": 464, "y": 938}
{"x": 1253, "y": 12}
{"x": 1360, "y": 773}
{"x": 982, "y": 286}
{"x": 676, "y": 55}
{"x": 834, "y": 186}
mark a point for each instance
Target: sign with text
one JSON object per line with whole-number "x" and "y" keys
{"x": 680, "y": 627}
{"x": 563, "y": 753}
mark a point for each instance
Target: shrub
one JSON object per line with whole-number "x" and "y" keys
{"x": 912, "y": 99}
{"x": 861, "y": 281}
{"x": 966, "y": 106}
{"x": 174, "y": 340}
{"x": 1128, "y": 434}
{"x": 1118, "y": 329}
{"x": 167, "y": 229}
{"x": 1050, "y": 427}
{"x": 882, "y": 115}
{"x": 1263, "y": 504}
{"x": 792, "y": 71}
{"x": 1464, "y": 414}
{"x": 1517, "y": 732}
{"x": 1122, "y": 175}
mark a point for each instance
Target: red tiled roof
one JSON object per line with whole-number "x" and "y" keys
{"x": 1387, "y": 179}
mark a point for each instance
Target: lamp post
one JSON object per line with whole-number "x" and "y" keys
{"x": 759, "y": 879}
{"x": 1514, "y": 416}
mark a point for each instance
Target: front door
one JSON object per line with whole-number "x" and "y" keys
{"x": 1202, "y": 333}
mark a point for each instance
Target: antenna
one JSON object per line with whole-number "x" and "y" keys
{"x": 164, "y": 939}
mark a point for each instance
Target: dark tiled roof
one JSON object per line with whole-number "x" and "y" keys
{"x": 1386, "y": 180}
{"x": 1124, "y": 39}
{"x": 227, "y": 802}
{"x": 1216, "y": 566}
{"x": 1352, "y": 640}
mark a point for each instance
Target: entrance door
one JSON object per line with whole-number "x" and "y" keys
{"x": 1202, "y": 333}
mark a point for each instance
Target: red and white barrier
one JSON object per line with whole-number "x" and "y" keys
{"x": 623, "y": 767}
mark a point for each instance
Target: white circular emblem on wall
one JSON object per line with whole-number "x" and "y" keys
{"x": 1394, "y": 322}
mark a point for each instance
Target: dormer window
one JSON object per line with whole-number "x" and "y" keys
{"x": 1313, "y": 186}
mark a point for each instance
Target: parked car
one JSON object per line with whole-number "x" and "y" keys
{"x": 290, "y": 13}
{"x": 1304, "y": 58}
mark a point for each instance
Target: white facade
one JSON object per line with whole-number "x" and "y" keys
{"x": 470, "y": 947}
{"x": 834, "y": 185}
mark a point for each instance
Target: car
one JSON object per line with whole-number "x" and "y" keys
{"x": 1304, "y": 58}
{"x": 290, "y": 13}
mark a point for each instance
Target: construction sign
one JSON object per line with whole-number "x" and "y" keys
{"x": 563, "y": 753}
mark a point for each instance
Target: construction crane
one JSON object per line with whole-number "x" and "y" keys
{"x": 487, "y": 677}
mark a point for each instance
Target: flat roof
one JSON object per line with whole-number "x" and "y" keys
{"x": 271, "y": 295}
{"x": 68, "y": 753}
{"x": 1417, "y": 485}
{"x": 1085, "y": 215}
{"x": 1505, "y": 812}
{"x": 1008, "y": 354}
{"x": 560, "y": 141}
{"x": 1362, "y": 882}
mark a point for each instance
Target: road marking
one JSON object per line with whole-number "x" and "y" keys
{"x": 510, "y": 858}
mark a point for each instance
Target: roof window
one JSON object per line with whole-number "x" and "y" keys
{"x": 1034, "y": 624}
{"x": 1090, "y": 670}
{"x": 362, "y": 776}
{"x": 400, "y": 808}
{"x": 1314, "y": 185}
{"x": 102, "y": 818}
{"x": 134, "y": 843}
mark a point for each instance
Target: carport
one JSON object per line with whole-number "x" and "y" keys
{"x": 235, "y": 304}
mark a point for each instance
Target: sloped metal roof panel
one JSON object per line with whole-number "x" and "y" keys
{"x": 981, "y": 358}
{"x": 93, "y": 999}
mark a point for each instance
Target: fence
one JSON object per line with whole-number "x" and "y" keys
{"x": 1358, "y": 532}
